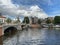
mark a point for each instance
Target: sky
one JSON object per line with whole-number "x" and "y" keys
{"x": 38, "y": 8}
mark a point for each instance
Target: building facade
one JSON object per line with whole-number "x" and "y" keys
{"x": 2, "y": 19}
{"x": 34, "y": 20}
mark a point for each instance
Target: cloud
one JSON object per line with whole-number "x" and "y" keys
{"x": 38, "y": 12}
{"x": 8, "y": 8}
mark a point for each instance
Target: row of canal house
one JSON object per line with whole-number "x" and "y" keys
{"x": 44, "y": 20}
{"x": 34, "y": 20}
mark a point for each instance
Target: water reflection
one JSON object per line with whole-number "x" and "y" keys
{"x": 35, "y": 37}
{"x": 1, "y": 40}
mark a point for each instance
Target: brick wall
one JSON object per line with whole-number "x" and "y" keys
{"x": 1, "y": 39}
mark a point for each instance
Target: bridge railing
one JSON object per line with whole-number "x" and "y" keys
{"x": 13, "y": 24}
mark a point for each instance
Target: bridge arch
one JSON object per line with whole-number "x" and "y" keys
{"x": 10, "y": 31}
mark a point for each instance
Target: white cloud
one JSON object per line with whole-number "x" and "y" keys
{"x": 8, "y": 8}
{"x": 34, "y": 11}
{"x": 7, "y": 4}
{"x": 38, "y": 12}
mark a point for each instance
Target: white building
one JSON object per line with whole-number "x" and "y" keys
{"x": 33, "y": 20}
{"x": 2, "y": 19}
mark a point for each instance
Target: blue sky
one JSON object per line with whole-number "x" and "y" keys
{"x": 51, "y": 7}
{"x": 38, "y": 8}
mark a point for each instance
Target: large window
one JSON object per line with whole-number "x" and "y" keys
{"x": 1, "y": 20}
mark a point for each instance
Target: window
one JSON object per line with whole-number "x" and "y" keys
{"x": 1, "y": 20}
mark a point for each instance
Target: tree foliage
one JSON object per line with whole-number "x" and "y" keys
{"x": 26, "y": 20}
{"x": 18, "y": 20}
{"x": 57, "y": 20}
{"x": 48, "y": 21}
{"x": 39, "y": 21}
{"x": 0, "y": 14}
{"x": 8, "y": 20}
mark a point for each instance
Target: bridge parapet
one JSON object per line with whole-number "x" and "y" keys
{"x": 17, "y": 26}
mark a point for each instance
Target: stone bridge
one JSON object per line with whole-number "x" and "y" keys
{"x": 6, "y": 27}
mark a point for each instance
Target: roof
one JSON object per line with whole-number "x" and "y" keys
{"x": 2, "y": 17}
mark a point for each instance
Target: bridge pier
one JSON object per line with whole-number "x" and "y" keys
{"x": 1, "y": 35}
{"x": 1, "y": 31}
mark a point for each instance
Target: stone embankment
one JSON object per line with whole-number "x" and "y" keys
{"x": 35, "y": 26}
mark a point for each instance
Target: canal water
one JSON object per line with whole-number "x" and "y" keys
{"x": 35, "y": 37}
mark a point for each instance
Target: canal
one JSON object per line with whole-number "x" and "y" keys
{"x": 35, "y": 37}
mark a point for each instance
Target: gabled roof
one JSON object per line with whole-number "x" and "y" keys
{"x": 2, "y": 17}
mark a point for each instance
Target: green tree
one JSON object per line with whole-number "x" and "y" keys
{"x": 57, "y": 20}
{"x": 26, "y": 20}
{"x": 39, "y": 21}
{"x": 8, "y": 20}
{"x": 48, "y": 21}
{"x": 0, "y": 14}
{"x": 18, "y": 20}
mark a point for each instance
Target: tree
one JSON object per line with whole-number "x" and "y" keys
{"x": 48, "y": 21}
{"x": 26, "y": 20}
{"x": 8, "y": 20}
{"x": 57, "y": 20}
{"x": 17, "y": 21}
{"x": 0, "y": 14}
{"x": 39, "y": 21}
